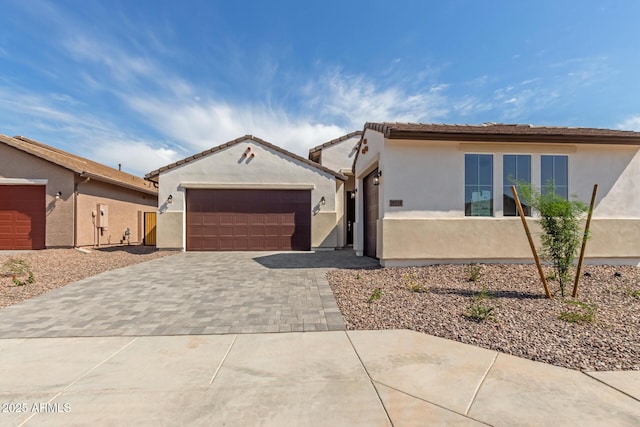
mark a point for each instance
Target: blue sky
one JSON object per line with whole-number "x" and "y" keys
{"x": 145, "y": 83}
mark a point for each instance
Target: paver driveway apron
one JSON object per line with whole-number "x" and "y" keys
{"x": 190, "y": 294}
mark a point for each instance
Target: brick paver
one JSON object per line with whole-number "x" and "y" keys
{"x": 191, "y": 293}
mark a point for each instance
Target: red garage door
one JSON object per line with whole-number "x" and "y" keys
{"x": 22, "y": 216}
{"x": 248, "y": 220}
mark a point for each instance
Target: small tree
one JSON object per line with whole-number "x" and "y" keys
{"x": 561, "y": 230}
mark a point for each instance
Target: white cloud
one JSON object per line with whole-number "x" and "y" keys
{"x": 205, "y": 124}
{"x": 468, "y": 106}
{"x": 138, "y": 157}
{"x": 355, "y": 99}
{"x": 631, "y": 123}
{"x": 62, "y": 121}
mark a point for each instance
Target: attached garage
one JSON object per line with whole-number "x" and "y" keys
{"x": 22, "y": 217}
{"x": 248, "y": 195}
{"x": 248, "y": 220}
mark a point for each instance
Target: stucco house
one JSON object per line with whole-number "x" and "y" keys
{"x": 248, "y": 194}
{"x": 432, "y": 193}
{"x": 50, "y": 198}
{"x": 338, "y": 155}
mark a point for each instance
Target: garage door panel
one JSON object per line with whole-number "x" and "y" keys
{"x": 23, "y": 229}
{"x": 22, "y": 217}
{"x": 256, "y": 230}
{"x": 287, "y": 230}
{"x": 240, "y": 231}
{"x": 250, "y": 219}
{"x": 240, "y": 244}
{"x": 225, "y": 231}
{"x": 208, "y": 219}
{"x": 225, "y": 219}
{"x": 271, "y": 230}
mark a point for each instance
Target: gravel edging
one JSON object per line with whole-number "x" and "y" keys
{"x": 526, "y": 324}
{"x": 54, "y": 268}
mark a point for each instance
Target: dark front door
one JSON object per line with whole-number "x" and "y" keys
{"x": 248, "y": 220}
{"x": 351, "y": 215}
{"x": 370, "y": 206}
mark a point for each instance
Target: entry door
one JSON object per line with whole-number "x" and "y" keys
{"x": 351, "y": 216}
{"x": 370, "y": 205}
{"x": 150, "y": 228}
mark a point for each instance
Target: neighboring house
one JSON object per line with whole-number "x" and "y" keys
{"x": 50, "y": 198}
{"x": 431, "y": 193}
{"x": 338, "y": 155}
{"x": 248, "y": 194}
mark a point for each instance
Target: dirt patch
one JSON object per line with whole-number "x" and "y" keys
{"x": 438, "y": 300}
{"x": 54, "y": 268}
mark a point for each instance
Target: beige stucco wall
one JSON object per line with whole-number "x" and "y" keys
{"x": 59, "y": 225}
{"x": 268, "y": 169}
{"x": 443, "y": 240}
{"x": 428, "y": 176}
{"x": 124, "y": 207}
{"x": 339, "y": 156}
{"x": 172, "y": 226}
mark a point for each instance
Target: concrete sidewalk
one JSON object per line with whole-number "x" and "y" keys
{"x": 334, "y": 378}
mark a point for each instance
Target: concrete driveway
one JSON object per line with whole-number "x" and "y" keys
{"x": 190, "y": 294}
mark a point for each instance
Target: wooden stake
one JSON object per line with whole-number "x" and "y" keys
{"x": 533, "y": 248}
{"x": 584, "y": 241}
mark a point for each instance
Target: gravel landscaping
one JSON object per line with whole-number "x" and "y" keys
{"x": 54, "y": 268}
{"x": 439, "y": 299}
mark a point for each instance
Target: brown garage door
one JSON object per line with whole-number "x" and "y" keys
{"x": 370, "y": 203}
{"x": 22, "y": 216}
{"x": 248, "y": 220}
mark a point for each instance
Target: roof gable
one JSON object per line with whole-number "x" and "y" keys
{"x": 335, "y": 141}
{"x": 80, "y": 165}
{"x": 154, "y": 174}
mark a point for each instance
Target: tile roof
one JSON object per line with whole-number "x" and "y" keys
{"x": 505, "y": 132}
{"x": 80, "y": 165}
{"x": 157, "y": 172}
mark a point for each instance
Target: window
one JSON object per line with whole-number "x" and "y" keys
{"x": 515, "y": 169}
{"x": 478, "y": 185}
{"x": 554, "y": 175}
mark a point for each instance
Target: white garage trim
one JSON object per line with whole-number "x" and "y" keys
{"x": 247, "y": 186}
{"x": 23, "y": 181}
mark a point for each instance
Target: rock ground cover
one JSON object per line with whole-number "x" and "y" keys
{"x": 435, "y": 300}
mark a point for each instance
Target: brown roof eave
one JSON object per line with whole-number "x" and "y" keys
{"x": 101, "y": 178}
{"x": 531, "y": 138}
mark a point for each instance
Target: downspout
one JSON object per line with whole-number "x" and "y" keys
{"x": 75, "y": 211}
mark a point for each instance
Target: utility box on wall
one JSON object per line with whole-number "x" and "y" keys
{"x": 102, "y": 215}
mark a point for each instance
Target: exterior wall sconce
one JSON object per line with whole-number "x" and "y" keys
{"x": 170, "y": 199}
{"x": 353, "y": 193}
{"x": 323, "y": 201}
{"x": 376, "y": 178}
{"x": 58, "y": 195}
